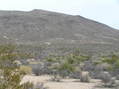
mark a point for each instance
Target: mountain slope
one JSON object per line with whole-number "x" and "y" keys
{"x": 39, "y": 26}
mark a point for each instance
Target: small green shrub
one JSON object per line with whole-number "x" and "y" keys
{"x": 10, "y": 76}
{"x": 113, "y": 61}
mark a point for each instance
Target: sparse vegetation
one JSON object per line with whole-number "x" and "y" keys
{"x": 66, "y": 66}
{"x": 49, "y": 43}
{"x": 11, "y": 71}
{"x": 11, "y": 75}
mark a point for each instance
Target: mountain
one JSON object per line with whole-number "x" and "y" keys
{"x": 40, "y": 26}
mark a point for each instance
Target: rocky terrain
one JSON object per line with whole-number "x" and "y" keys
{"x": 43, "y": 27}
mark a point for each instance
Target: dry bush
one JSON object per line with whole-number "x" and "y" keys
{"x": 84, "y": 76}
{"x": 105, "y": 77}
{"x": 108, "y": 80}
{"x": 26, "y": 69}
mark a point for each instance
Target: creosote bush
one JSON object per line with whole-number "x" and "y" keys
{"x": 10, "y": 76}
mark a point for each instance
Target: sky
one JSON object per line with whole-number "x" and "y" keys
{"x": 104, "y": 11}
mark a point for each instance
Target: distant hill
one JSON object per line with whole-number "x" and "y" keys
{"x": 39, "y": 26}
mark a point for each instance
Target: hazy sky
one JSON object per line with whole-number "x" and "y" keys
{"x": 105, "y": 11}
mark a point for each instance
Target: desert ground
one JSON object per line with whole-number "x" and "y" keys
{"x": 64, "y": 84}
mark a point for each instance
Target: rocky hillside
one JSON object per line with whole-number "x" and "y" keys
{"x": 39, "y": 26}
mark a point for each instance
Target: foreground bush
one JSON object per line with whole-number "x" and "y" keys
{"x": 11, "y": 80}
{"x": 10, "y": 76}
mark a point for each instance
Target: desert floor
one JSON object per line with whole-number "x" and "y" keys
{"x": 64, "y": 84}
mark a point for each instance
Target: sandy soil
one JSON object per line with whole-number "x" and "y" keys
{"x": 64, "y": 84}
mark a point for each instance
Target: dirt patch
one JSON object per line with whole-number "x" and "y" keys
{"x": 64, "y": 84}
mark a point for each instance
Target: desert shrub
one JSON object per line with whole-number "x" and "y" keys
{"x": 75, "y": 58}
{"x": 84, "y": 76}
{"x": 11, "y": 80}
{"x": 108, "y": 80}
{"x": 105, "y": 77}
{"x": 62, "y": 69}
{"x": 76, "y": 73}
{"x": 108, "y": 60}
{"x": 65, "y": 69}
{"x": 11, "y": 75}
{"x": 112, "y": 82}
{"x": 66, "y": 64}
{"x": 26, "y": 69}
{"x": 39, "y": 69}
{"x": 113, "y": 60}
{"x": 51, "y": 59}
{"x": 103, "y": 67}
